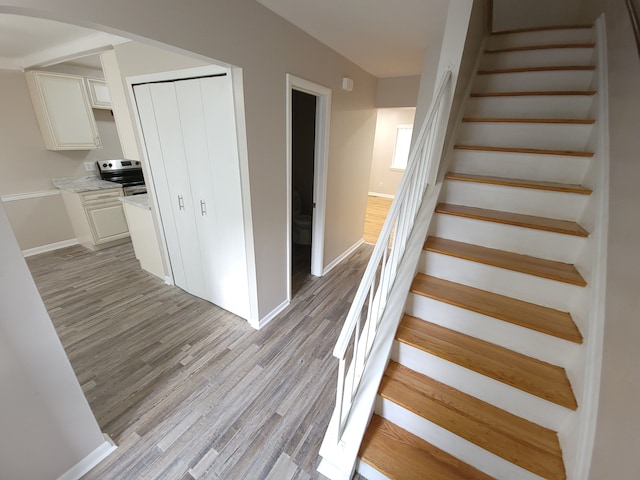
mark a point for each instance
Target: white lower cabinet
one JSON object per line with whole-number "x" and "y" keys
{"x": 190, "y": 137}
{"x": 97, "y": 217}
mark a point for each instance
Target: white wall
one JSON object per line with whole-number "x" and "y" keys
{"x": 385, "y": 180}
{"x": 514, "y": 14}
{"x": 46, "y": 423}
{"x": 464, "y": 32}
{"x": 617, "y": 443}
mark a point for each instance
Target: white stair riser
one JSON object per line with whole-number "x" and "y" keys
{"x": 525, "y": 241}
{"x": 531, "y": 106}
{"x": 556, "y": 57}
{"x": 369, "y": 472}
{"x": 545, "y": 168}
{"x": 501, "y": 395}
{"x": 454, "y": 445}
{"x": 526, "y": 201}
{"x": 519, "y": 339}
{"x": 547, "y": 136}
{"x": 529, "y": 288}
{"x": 534, "y": 81}
{"x": 543, "y": 37}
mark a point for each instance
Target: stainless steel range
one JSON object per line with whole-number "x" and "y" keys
{"x": 126, "y": 172}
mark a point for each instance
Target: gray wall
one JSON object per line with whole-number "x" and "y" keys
{"x": 617, "y": 443}
{"x": 266, "y": 47}
{"x": 47, "y": 426}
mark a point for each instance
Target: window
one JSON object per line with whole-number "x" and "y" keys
{"x": 401, "y": 151}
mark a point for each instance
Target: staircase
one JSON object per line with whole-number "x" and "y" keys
{"x": 479, "y": 384}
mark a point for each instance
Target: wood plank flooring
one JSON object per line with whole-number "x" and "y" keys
{"x": 187, "y": 390}
{"x": 377, "y": 210}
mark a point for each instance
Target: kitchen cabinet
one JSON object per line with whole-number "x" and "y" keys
{"x": 63, "y": 111}
{"x": 137, "y": 210}
{"x": 189, "y": 132}
{"x": 98, "y": 93}
{"x": 97, "y": 217}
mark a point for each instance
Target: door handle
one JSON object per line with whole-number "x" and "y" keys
{"x": 180, "y": 202}
{"x": 203, "y": 208}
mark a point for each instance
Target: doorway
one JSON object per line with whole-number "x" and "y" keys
{"x": 308, "y": 112}
{"x": 303, "y": 130}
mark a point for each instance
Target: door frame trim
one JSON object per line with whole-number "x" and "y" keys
{"x": 321, "y": 161}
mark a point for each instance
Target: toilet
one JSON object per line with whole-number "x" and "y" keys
{"x": 301, "y": 223}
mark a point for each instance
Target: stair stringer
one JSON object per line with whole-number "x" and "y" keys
{"x": 578, "y": 433}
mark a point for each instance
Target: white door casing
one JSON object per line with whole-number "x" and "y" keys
{"x": 321, "y": 160}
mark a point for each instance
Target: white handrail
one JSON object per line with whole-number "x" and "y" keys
{"x": 357, "y": 337}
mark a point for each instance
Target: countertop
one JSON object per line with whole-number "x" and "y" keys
{"x": 141, "y": 201}
{"x": 83, "y": 184}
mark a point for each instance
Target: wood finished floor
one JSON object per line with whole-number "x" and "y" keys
{"x": 187, "y": 390}
{"x": 377, "y": 210}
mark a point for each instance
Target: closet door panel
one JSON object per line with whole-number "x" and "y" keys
{"x": 232, "y": 287}
{"x": 147, "y": 116}
{"x": 192, "y": 121}
{"x": 169, "y": 166}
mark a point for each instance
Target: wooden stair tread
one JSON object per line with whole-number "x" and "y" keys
{"x": 400, "y": 455}
{"x": 536, "y": 93}
{"x": 533, "y": 376}
{"x": 561, "y": 272}
{"x": 528, "y": 315}
{"x": 535, "y": 151}
{"x": 569, "y": 121}
{"x": 550, "y": 46}
{"x": 512, "y": 438}
{"x": 576, "y": 68}
{"x": 527, "y": 221}
{"x": 515, "y": 182}
{"x": 543, "y": 29}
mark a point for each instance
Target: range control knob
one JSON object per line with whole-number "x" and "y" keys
{"x": 111, "y": 165}
{"x": 104, "y": 165}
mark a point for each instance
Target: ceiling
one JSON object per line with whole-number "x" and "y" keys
{"x": 27, "y": 42}
{"x": 385, "y": 38}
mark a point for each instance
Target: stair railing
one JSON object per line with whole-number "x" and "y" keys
{"x": 363, "y": 320}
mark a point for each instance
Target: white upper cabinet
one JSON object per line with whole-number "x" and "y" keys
{"x": 63, "y": 111}
{"x": 99, "y": 93}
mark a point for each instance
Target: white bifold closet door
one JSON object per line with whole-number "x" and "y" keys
{"x": 190, "y": 134}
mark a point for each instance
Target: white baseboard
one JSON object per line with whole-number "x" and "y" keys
{"x": 270, "y": 316}
{"x": 90, "y": 461}
{"x": 344, "y": 255}
{"x": 49, "y": 247}
{"x": 383, "y": 195}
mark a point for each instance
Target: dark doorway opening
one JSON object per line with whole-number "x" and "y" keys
{"x": 303, "y": 147}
